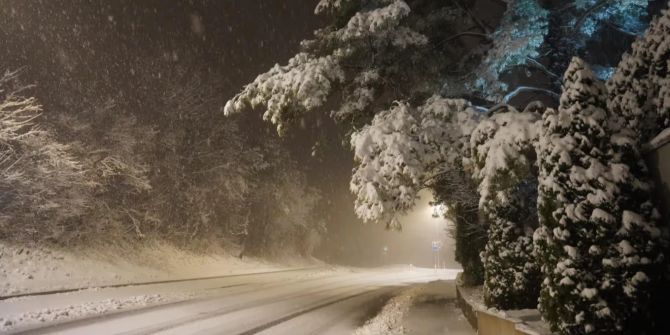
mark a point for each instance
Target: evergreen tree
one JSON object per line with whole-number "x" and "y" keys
{"x": 597, "y": 31}
{"x": 503, "y": 155}
{"x": 598, "y": 259}
{"x": 639, "y": 90}
{"x": 573, "y": 207}
{"x": 639, "y": 100}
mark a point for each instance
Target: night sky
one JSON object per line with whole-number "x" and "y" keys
{"x": 102, "y": 42}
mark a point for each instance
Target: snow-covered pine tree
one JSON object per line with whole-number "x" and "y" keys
{"x": 639, "y": 90}
{"x": 573, "y": 205}
{"x": 639, "y": 101}
{"x": 596, "y": 259}
{"x": 503, "y": 153}
{"x": 377, "y": 51}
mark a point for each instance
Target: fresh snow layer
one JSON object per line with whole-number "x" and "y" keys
{"x": 75, "y": 311}
{"x": 235, "y": 304}
{"x": 25, "y": 270}
{"x": 660, "y": 139}
{"x": 392, "y": 319}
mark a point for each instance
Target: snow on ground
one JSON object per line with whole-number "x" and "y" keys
{"x": 90, "y": 308}
{"x": 437, "y": 317}
{"x": 24, "y": 269}
{"x": 232, "y": 303}
{"x": 389, "y": 320}
{"x": 474, "y": 296}
{"x": 412, "y": 309}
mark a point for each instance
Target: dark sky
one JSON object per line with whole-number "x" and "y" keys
{"x": 96, "y": 40}
{"x": 101, "y": 45}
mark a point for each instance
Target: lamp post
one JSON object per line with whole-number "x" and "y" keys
{"x": 439, "y": 210}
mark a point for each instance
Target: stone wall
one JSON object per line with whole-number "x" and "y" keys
{"x": 658, "y": 160}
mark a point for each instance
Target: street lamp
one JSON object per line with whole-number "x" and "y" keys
{"x": 439, "y": 210}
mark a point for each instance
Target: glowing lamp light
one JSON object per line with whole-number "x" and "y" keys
{"x": 439, "y": 210}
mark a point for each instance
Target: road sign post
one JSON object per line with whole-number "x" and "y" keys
{"x": 436, "y": 246}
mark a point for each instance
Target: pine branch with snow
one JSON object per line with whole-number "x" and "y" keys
{"x": 403, "y": 150}
{"x": 639, "y": 90}
{"x": 518, "y": 38}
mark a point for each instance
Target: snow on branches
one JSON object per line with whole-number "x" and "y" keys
{"x": 39, "y": 178}
{"x": 331, "y": 6}
{"x": 402, "y": 149}
{"x": 370, "y": 48}
{"x": 640, "y": 88}
{"x": 518, "y": 38}
{"x": 625, "y": 15}
{"x": 597, "y": 260}
{"x": 574, "y": 193}
{"x": 287, "y": 91}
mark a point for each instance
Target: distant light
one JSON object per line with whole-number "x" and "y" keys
{"x": 439, "y": 210}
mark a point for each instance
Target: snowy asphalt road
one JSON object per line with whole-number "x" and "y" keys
{"x": 311, "y": 301}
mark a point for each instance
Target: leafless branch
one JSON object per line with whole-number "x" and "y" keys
{"x": 521, "y": 89}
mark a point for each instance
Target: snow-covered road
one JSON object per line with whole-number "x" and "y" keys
{"x": 309, "y": 301}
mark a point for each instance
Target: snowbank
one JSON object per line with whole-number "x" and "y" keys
{"x": 37, "y": 269}
{"x": 75, "y": 311}
{"x": 389, "y": 321}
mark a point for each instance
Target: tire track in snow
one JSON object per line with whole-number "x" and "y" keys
{"x": 68, "y": 290}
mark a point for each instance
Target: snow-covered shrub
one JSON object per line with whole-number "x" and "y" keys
{"x": 503, "y": 151}
{"x": 599, "y": 256}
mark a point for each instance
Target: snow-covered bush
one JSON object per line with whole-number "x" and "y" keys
{"x": 599, "y": 256}
{"x": 503, "y": 151}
